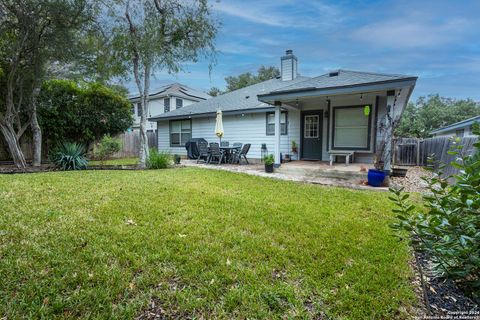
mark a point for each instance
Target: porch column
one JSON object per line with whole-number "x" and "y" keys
{"x": 387, "y": 152}
{"x": 277, "y": 135}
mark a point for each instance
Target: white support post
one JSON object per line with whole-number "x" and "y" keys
{"x": 277, "y": 136}
{"x": 387, "y": 153}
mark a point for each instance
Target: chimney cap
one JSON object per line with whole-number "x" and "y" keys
{"x": 289, "y": 52}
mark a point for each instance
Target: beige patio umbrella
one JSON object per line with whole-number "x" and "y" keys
{"x": 219, "y": 126}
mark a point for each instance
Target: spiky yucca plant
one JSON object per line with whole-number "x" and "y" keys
{"x": 69, "y": 156}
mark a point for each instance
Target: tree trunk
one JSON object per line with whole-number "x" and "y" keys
{"x": 13, "y": 145}
{"x": 145, "y": 152}
{"x": 36, "y": 130}
{"x": 37, "y": 140}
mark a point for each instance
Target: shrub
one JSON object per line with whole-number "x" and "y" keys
{"x": 107, "y": 147}
{"x": 82, "y": 112}
{"x": 448, "y": 230}
{"x": 269, "y": 160}
{"x": 69, "y": 156}
{"x": 159, "y": 160}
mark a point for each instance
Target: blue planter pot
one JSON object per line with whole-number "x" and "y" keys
{"x": 376, "y": 177}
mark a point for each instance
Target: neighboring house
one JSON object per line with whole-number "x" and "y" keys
{"x": 460, "y": 129}
{"x": 321, "y": 114}
{"x": 165, "y": 99}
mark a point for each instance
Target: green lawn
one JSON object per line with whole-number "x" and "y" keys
{"x": 200, "y": 243}
{"x": 115, "y": 162}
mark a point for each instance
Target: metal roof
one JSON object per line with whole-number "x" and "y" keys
{"x": 457, "y": 125}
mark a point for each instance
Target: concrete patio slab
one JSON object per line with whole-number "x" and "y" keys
{"x": 302, "y": 171}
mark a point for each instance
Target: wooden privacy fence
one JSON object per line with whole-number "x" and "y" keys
{"x": 130, "y": 146}
{"x": 413, "y": 151}
{"x": 131, "y": 143}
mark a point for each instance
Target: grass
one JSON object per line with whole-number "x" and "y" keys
{"x": 114, "y": 162}
{"x": 103, "y": 244}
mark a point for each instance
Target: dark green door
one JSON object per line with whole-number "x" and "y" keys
{"x": 312, "y": 135}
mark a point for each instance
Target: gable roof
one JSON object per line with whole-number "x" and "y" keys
{"x": 457, "y": 125}
{"x": 177, "y": 90}
{"x": 241, "y": 99}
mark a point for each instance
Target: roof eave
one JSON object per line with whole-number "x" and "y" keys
{"x": 455, "y": 126}
{"x": 312, "y": 92}
{"x": 208, "y": 114}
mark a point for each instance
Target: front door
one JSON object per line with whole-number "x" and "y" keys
{"x": 311, "y": 148}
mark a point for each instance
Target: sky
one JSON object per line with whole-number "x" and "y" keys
{"x": 438, "y": 41}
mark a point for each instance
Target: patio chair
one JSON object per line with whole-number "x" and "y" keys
{"x": 215, "y": 153}
{"x": 203, "y": 151}
{"x": 224, "y": 144}
{"x": 243, "y": 153}
{"x": 235, "y": 152}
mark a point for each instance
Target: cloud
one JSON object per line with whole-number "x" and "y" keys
{"x": 412, "y": 32}
{"x": 283, "y": 14}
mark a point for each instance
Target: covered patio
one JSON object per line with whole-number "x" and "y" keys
{"x": 339, "y": 114}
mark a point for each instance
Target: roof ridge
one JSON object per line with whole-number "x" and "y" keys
{"x": 376, "y": 73}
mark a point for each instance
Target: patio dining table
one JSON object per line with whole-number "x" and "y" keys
{"x": 228, "y": 152}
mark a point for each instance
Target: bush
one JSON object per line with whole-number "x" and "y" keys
{"x": 449, "y": 229}
{"x": 107, "y": 147}
{"x": 159, "y": 160}
{"x": 69, "y": 156}
{"x": 269, "y": 160}
{"x": 82, "y": 112}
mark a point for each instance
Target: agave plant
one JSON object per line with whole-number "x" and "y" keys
{"x": 69, "y": 156}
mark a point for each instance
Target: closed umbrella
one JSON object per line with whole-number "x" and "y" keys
{"x": 219, "y": 126}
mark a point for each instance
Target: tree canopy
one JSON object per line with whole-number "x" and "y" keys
{"x": 74, "y": 112}
{"x": 247, "y": 79}
{"x": 34, "y": 35}
{"x": 433, "y": 112}
{"x": 154, "y": 35}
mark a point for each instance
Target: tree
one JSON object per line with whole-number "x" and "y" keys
{"x": 432, "y": 112}
{"x": 214, "y": 91}
{"x": 81, "y": 113}
{"x": 32, "y": 34}
{"x": 154, "y": 35}
{"x": 247, "y": 79}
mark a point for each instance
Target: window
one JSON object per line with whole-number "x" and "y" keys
{"x": 139, "y": 109}
{"x": 180, "y": 132}
{"x": 271, "y": 123}
{"x": 311, "y": 126}
{"x": 179, "y": 103}
{"x": 351, "y": 128}
{"x": 166, "y": 105}
{"x": 133, "y": 109}
{"x": 460, "y": 133}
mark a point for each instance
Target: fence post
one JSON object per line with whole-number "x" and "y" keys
{"x": 418, "y": 151}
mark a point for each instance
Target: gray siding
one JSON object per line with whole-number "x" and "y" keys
{"x": 249, "y": 128}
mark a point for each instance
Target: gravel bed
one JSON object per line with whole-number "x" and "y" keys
{"x": 412, "y": 182}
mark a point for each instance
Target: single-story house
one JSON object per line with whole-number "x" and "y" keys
{"x": 460, "y": 129}
{"x": 165, "y": 99}
{"x": 340, "y": 111}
